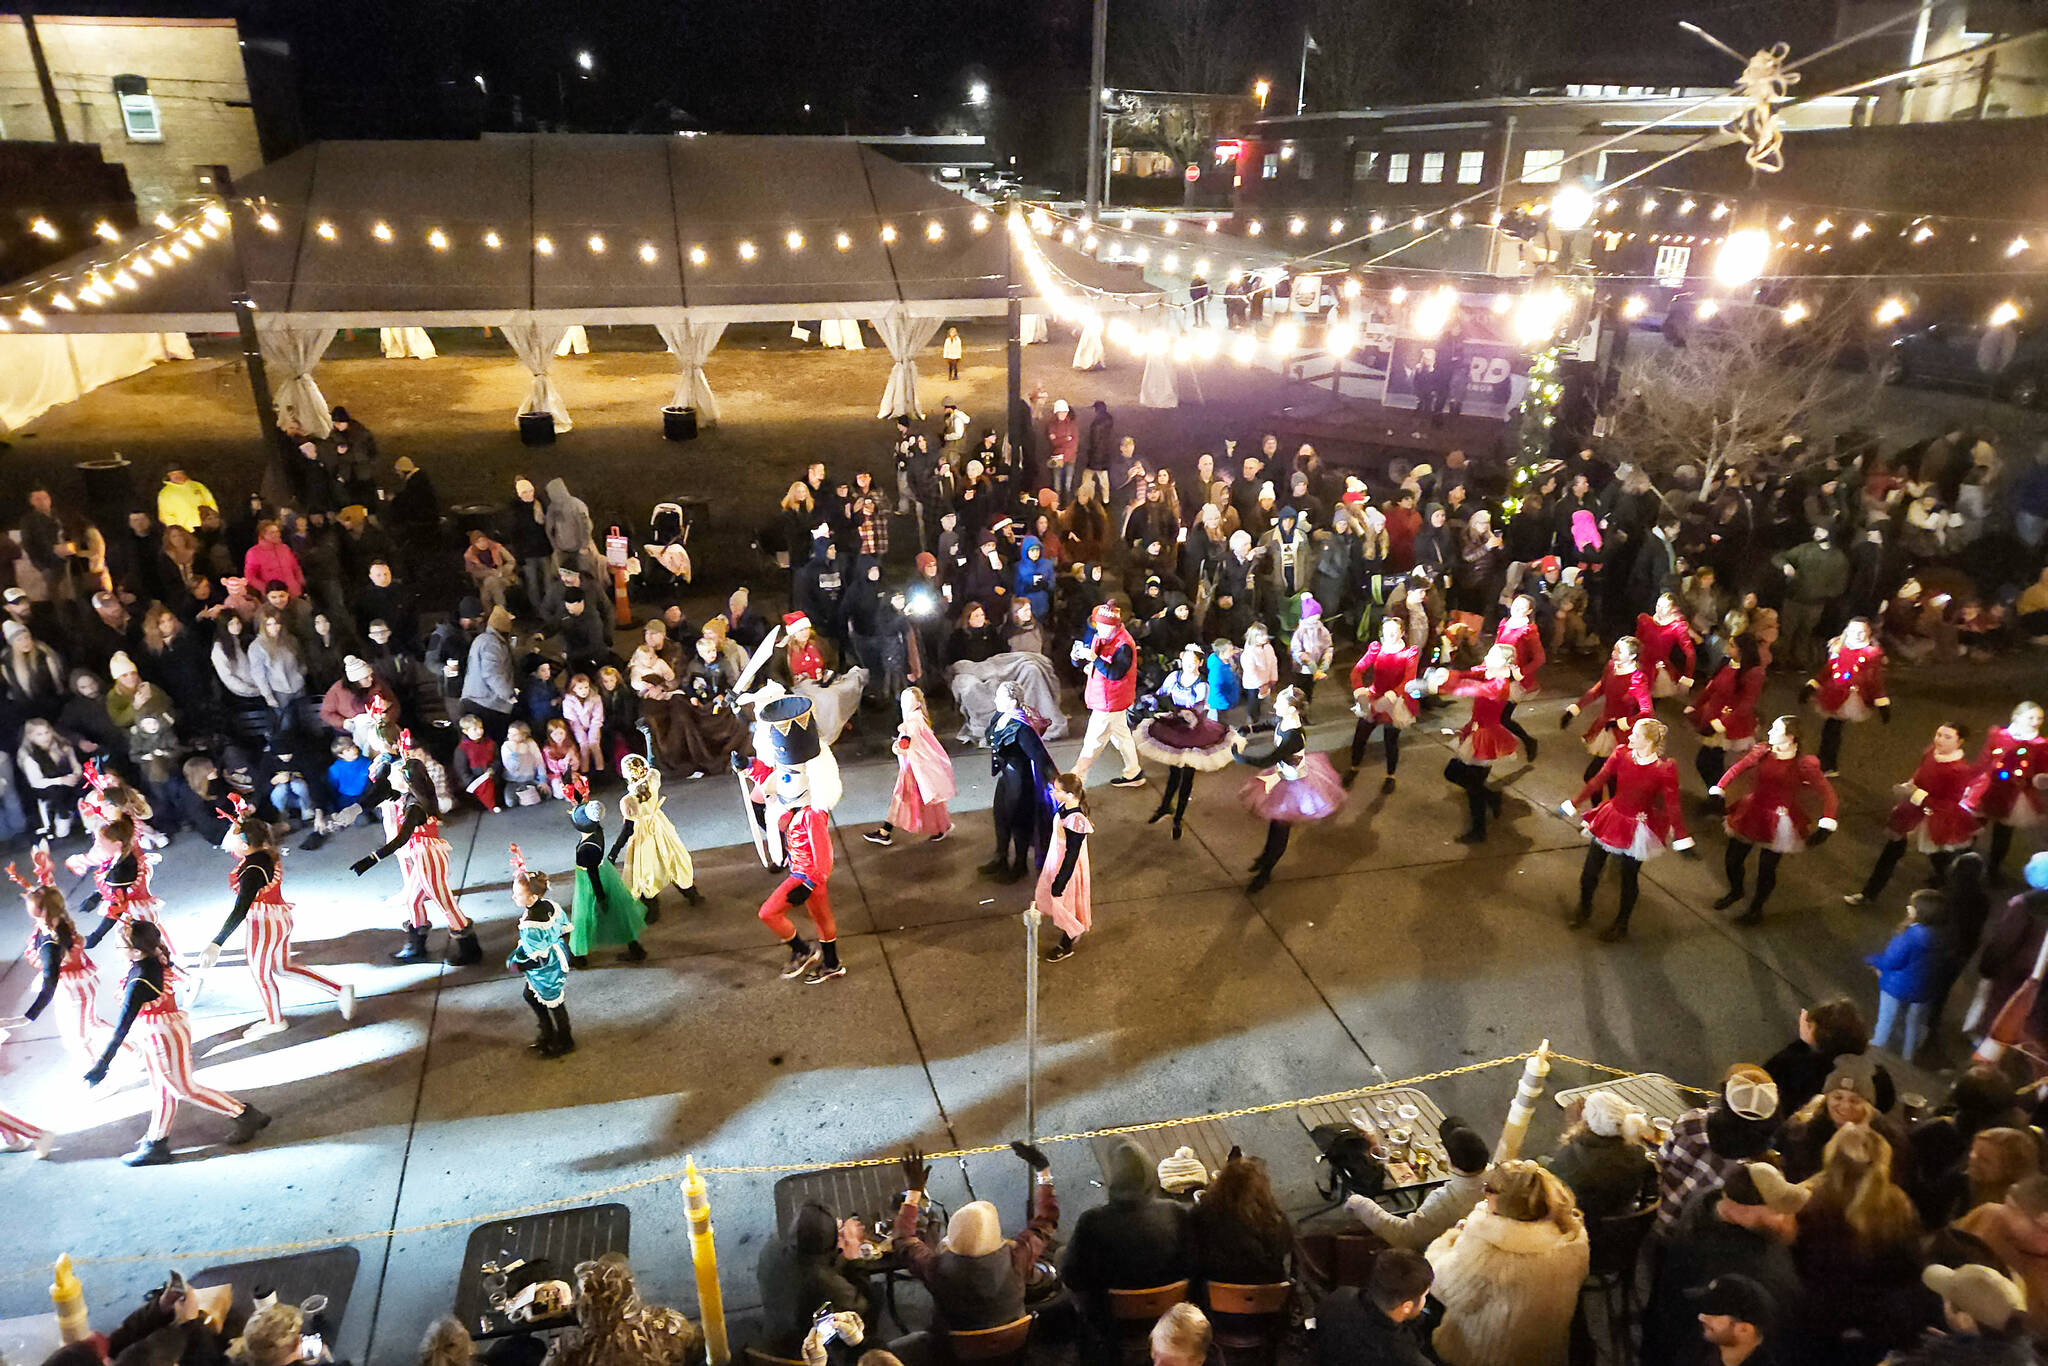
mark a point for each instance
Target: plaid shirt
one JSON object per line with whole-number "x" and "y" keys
{"x": 874, "y": 533}
{"x": 1687, "y": 1165}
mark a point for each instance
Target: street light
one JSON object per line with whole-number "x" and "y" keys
{"x": 586, "y": 61}
{"x": 1260, "y": 89}
{"x": 977, "y": 93}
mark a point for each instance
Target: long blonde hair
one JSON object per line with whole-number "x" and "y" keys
{"x": 1529, "y": 1194}
{"x": 1855, "y": 1180}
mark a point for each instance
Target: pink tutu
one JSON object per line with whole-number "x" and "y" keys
{"x": 1167, "y": 739}
{"x": 1316, "y": 793}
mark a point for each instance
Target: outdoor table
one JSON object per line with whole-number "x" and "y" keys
{"x": 561, "y": 1238}
{"x": 1656, "y": 1095}
{"x": 1430, "y": 1166}
{"x": 870, "y": 1194}
{"x": 329, "y": 1271}
{"x": 1209, "y": 1138}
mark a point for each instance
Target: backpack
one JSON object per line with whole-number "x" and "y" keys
{"x": 1353, "y": 1168}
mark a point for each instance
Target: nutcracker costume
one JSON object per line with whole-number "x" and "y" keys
{"x": 924, "y": 777}
{"x": 801, "y": 782}
{"x": 541, "y": 957}
{"x": 1380, "y": 697}
{"x": 1294, "y": 788}
{"x": 1065, "y": 891}
{"x": 1022, "y": 806}
{"x": 57, "y": 949}
{"x": 1624, "y": 696}
{"x": 1931, "y": 814}
{"x": 648, "y": 850}
{"x": 1668, "y": 652}
{"x": 412, "y": 829}
{"x": 1770, "y": 817}
{"x": 258, "y": 885}
{"x": 1849, "y": 687}
{"x": 148, "y": 1002}
{"x": 1110, "y": 658}
{"x": 1183, "y": 735}
{"x": 2012, "y": 770}
{"x": 1520, "y": 633}
{"x": 1483, "y": 741}
{"x": 1725, "y": 711}
{"x": 1640, "y": 821}
{"x": 603, "y": 910}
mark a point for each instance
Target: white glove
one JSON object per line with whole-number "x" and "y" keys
{"x": 1571, "y": 813}
{"x": 1827, "y": 822}
{"x": 1680, "y": 846}
{"x": 208, "y": 956}
{"x": 1714, "y": 791}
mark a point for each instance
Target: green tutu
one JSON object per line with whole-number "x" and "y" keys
{"x": 618, "y": 920}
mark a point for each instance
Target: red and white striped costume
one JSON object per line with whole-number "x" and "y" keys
{"x": 79, "y": 1022}
{"x": 133, "y": 901}
{"x": 17, "y": 1130}
{"x": 1662, "y": 640}
{"x": 1384, "y": 675}
{"x": 1934, "y": 810}
{"x": 1770, "y": 814}
{"x": 1851, "y": 686}
{"x": 270, "y": 938}
{"x": 2003, "y": 790}
{"x": 150, "y": 1007}
{"x": 423, "y": 864}
{"x": 1643, "y": 818}
{"x": 1526, "y": 640}
{"x": 1624, "y": 699}
{"x": 1730, "y": 697}
{"x": 805, "y": 836}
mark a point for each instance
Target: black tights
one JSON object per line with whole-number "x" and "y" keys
{"x": 1277, "y": 833}
{"x": 1710, "y": 763}
{"x": 1766, "y": 872}
{"x": 1390, "y": 737}
{"x": 1888, "y": 863}
{"x": 1478, "y": 798}
{"x": 554, "y": 1020}
{"x": 1831, "y": 744}
{"x": 1513, "y": 727}
{"x": 1180, "y": 784}
{"x": 1589, "y": 879}
{"x": 2001, "y": 845}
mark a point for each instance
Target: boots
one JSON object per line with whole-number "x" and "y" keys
{"x": 248, "y": 1124}
{"x": 634, "y": 952}
{"x": 564, "y": 1041}
{"x": 463, "y": 949}
{"x": 692, "y": 895}
{"x": 415, "y": 946}
{"x": 1165, "y": 810}
{"x": 151, "y": 1152}
{"x": 650, "y": 907}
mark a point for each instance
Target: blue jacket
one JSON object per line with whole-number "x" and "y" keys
{"x": 1034, "y": 578}
{"x": 1910, "y": 967}
{"x": 1225, "y": 689}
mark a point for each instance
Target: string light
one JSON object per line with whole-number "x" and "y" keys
{"x": 1089, "y": 243}
{"x": 1921, "y": 234}
{"x": 1417, "y": 223}
{"x": 44, "y": 228}
{"x": 1794, "y": 313}
{"x": 698, "y": 256}
{"x": 648, "y": 254}
{"x": 1285, "y": 338}
{"x": 1397, "y": 294}
{"x": 1824, "y": 227}
{"x": 1457, "y": 219}
{"x": 1433, "y": 311}
{"x": 1201, "y": 265}
{"x": 1141, "y": 255}
{"x": 980, "y": 222}
{"x": 595, "y": 243}
{"x": 1171, "y": 227}
{"x": 1336, "y": 226}
{"x": 544, "y": 245}
{"x": 163, "y": 221}
{"x": 888, "y": 232}
{"x": 1170, "y": 262}
{"x": 125, "y": 280}
{"x": 63, "y": 301}
{"x": 1295, "y": 226}
{"x": 1254, "y": 228}
{"x": 1859, "y": 232}
{"x": 106, "y": 230}
{"x": 934, "y": 230}
{"x": 181, "y": 251}
{"x": 1342, "y": 340}
{"x": 1376, "y": 223}
{"x": 143, "y": 267}
{"x": 794, "y": 240}
{"x": 1635, "y": 306}
{"x": 2016, "y": 246}
{"x": 215, "y": 214}
{"x": 1649, "y": 203}
{"x": 1706, "y": 310}
{"x": 1891, "y": 310}
{"x": 30, "y": 316}
{"x": 1719, "y": 212}
{"x": 747, "y": 252}
{"x": 492, "y": 240}
{"x": 437, "y": 239}
{"x": 2006, "y": 312}
{"x": 267, "y": 221}
{"x": 1742, "y": 256}
{"x": 1244, "y": 348}
{"x": 1687, "y": 205}
{"x": 1212, "y": 226}
{"x": 160, "y": 256}
{"x": 381, "y": 231}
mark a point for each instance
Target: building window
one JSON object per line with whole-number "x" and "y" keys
{"x": 139, "y": 117}
{"x": 1432, "y": 168}
{"x": 1305, "y": 165}
{"x": 1471, "y": 165}
{"x": 1671, "y": 265}
{"x": 1269, "y": 166}
{"x": 1543, "y": 165}
{"x": 1362, "y": 167}
{"x": 1397, "y": 169}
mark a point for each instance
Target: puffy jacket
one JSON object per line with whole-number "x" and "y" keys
{"x": 487, "y": 680}
{"x": 1911, "y": 966}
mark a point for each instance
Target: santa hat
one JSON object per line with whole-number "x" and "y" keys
{"x": 794, "y": 622}
{"x": 1105, "y": 614}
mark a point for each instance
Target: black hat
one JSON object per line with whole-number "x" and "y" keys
{"x": 469, "y": 607}
{"x": 1463, "y": 1145}
{"x": 790, "y": 727}
{"x": 1735, "y": 1297}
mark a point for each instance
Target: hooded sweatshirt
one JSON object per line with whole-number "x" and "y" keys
{"x": 1034, "y": 578}
{"x": 1137, "y": 1239}
{"x": 567, "y": 520}
{"x": 799, "y": 1271}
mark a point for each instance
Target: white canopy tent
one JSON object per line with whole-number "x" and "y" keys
{"x": 534, "y": 234}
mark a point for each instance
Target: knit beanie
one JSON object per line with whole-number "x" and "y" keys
{"x": 1608, "y": 1115}
{"x": 1182, "y": 1172}
{"x": 1854, "y": 1072}
{"x": 974, "y": 1230}
{"x": 500, "y": 621}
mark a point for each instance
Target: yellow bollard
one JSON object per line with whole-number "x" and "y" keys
{"x": 1528, "y": 1091}
{"x": 704, "y": 1254}
{"x": 69, "y": 1297}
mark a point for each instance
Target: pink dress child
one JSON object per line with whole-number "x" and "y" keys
{"x": 1071, "y": 906}
{"x": 585, "y": 714}
{"x": 924, "y": 774}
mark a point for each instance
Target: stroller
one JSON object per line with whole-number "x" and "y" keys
{"x": 665, "y": 555}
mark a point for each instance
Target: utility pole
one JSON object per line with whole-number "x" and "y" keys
{"x": 42, "y": 65}
{"x": 1097, "y": 187}
{"x": 245, "y": 314}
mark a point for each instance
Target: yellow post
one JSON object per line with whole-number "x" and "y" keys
{"x": 1528, "y": 1091}
{"x": 69, "y": 1298}
{"x": 704, "y": 1254}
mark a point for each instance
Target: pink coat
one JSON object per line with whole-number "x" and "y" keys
{"x": 265, "y": 563}
{"x": 924, "y": 780}
{"x": 585, "y": 717}
{"x": 1259, "y": 665}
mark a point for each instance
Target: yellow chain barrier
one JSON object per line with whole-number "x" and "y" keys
{"x": 784, "y": 1168}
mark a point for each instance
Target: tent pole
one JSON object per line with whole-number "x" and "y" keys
{"x": 1013, "y": 352}
{"x": 1095, "y": 191}
{"x": 245, "y": 318}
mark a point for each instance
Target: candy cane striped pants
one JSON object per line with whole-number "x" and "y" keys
{"x": 82, "y": 1025}
{"x": 425, "y": 867}
{"x": 270, "y": 956}
{"x": 16, "y": 1130}
{"x": 167, "y": 1053}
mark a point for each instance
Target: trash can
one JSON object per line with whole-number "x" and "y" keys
{"x": 109, "y": 489}
{"x": 679, "y": 423}
{"x": 537, "y": 429}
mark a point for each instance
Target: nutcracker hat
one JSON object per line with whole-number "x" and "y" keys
{"x": 789, "y": 724}
{"x": 584, "y": 813}
{"x": 1106, "y": 614}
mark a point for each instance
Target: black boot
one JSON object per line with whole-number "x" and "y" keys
{"x": 650, "y": 907}
{"x": 1165, "y": 810}
{"x": 1580, "y": 916}
{"x": 564, "y": 1041}
{"x": 248, "y": 1124}
{"x": 634, "y": 953}
{"x": 463, "y": 949}
{"x": 151, "y": 1152}
{"x": 692, "y": 895}
{"x": 415, "y": 946}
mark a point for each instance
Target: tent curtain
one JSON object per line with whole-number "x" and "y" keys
{"x": 691, "y": 343}
{"x": 1156, "y": 389}
{"x": 534, "y": 344}
{"x": 905, "y": 336}
{"x": 1033, "y": 329}
{"x": 405, "y": 343}
{"x": 1088, "y": 350}
{"x": 289, "y": 354}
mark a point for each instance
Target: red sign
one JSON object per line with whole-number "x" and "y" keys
{"x": 1192, "y": 174}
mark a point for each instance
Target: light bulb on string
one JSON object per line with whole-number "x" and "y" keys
{"x": 143, "y": 267}
{"x": 163, "y": 221}
{"x": 1398, "y": 294}
{"x": 595, "y": 243}
{"x": 843, "y": 241}
{"x": 44, "y": 228}
{"x": 381, "y": 231}
{"x": 181, "y": 251}
{"x": 1921, "y": 234}
{"x": 215, "y": 214}
{"x": 1417, "y": 223}
{"x": 1891, "y": 310}
{"x": 1295, "y": 226}
{"x": 888, "y": 232}
{"x": 1859, "y": 232}
{"x": 544, "y": 245}
{"x": 1342, "y": 340}
{"x": 63, "y": 301}
{"x": 1706, "y": 310}
{"x": 160, "y": 256}
{"x": 793, "y": 239}
{"x": 2016, "y": 246}
{"x": 1212, "y": 226}
{"x": 1795, "y": 313}
{"x": 1141, "y": 255}
{"x": 267, "y": 221}
{"x": 209, "y": 230}
{"x": 492, "y": 240}
{"x": 2006, "y": 313}
{"x": 1457, "y": 219}
{"x": 747, "y": 251}
{"x": 1687, "y": 205}
{"x": 979, "y": 222}
{"x": 437, "y": 239}
{"x": 1824, "y": 227}
{"x": 1089, "y": 243}
{"x": 1376, "y": 223}
{"x": 29, "y": 315}
{"x": 1170, "y": 262}
{"x": 934, "y": 230}
{"x": 1254, "y": 228}
{"x": 1171, "y": 227}
{"x": 106, "y": 231}
{"x": 1635, "y": 306}
{"x": 124, "y": 280}
{"x": 1201, "y": 265}
{"x": 648, "y": 253}
{"x": 1720, "y": 211}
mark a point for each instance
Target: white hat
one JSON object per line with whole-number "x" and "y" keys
{"x": 1607, "y": 1114}
{"x": 1750, "y": 1092}
{"x": 119, "y": 663}
{"x": 1182, "y": 1172}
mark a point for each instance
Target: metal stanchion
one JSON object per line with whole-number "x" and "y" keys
{"x": 1032, "y": 919}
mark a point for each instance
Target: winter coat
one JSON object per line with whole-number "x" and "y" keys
{"x": 799, "y": 1272}
{"x": 567, "y": 520}
{"x": 1608, "y": 1174}
{"x": 487, "y": 679}
{"x": 1968, "y": 1349}
{"x": 1701, "y": 1246}
{"x": 1136, "y": 1239}
{"x": 1509, "y": 1290}
{"x": 1913, "y": 966}
{"x": 1034, "y": 578}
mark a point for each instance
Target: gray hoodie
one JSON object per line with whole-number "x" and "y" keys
{"x": 487, "y": 681}
{"x": 567, "y": 519}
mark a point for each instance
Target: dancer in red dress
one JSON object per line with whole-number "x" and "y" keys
{"x": 147, "y": 999}
{"x": 1770, "y": 817}
{"x": 1624, "y": 695}
{"x": 1483, "y": 741}
{"x": 1640, "y": 821}
{"x": 1850, "y": 687}
{"x": 802, "y": 785}
{"x": 1381, "y": 701}
{"x": 413, "y": 829}
{"x": 1725, "y": 711}
{"x": 57, "y": 948}
{"x": 1667, "y": 648}
{"x": 258, "y": 884}
{"x": 120, "y": 879}
{"x": 2012, "y": 771}
{"x": 1931, "y": 811}
{"x": 1520, "y": 633}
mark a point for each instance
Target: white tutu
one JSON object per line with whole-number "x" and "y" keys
{"x": 1787, "y": 839}
{"x": 1852, "y": 709}
{"x": 1643, "y": 845}
{"x": 1601, "y": 743}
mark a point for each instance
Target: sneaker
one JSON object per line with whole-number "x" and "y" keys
{"x": 821, "y": 973}
{"x": 1059, "y": 953}
{"x": 942, "y": 834}
{"x": 1135, "y": 780}
{"x": 1854, "y": 899}
{"x": 151, "y": 1152}
{"x": 881, "y": 837}
{"x": 263, "y": 1029}
{"x": 800, "y": 964}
